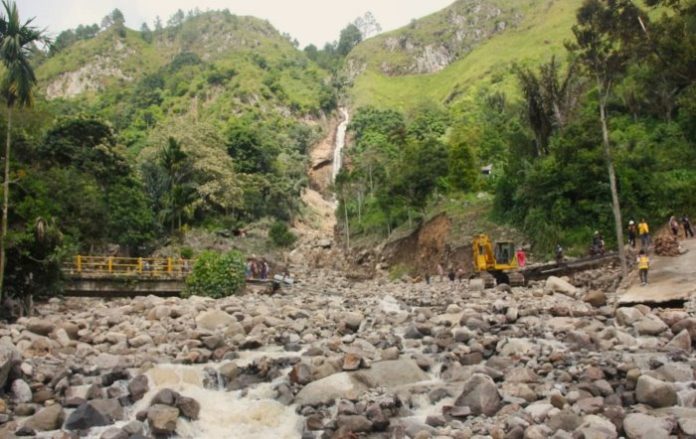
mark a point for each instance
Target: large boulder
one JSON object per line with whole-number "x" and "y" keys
{"x": 391, "y": 373}
{"x": 110, "y": 408}
{"x": 627, "y": 316}
{"x": 557, "y": 285}
{"x": 138, "y": 387}
{"x": 40, "y": 326}
{"x": 650, "y": 325}
{"x": 188, "y": 407}
{"x": 162, "y": 419}
{"x": 655, "y": 393}
{"x": 21, "y": 391}
{"x": 47, "y": 419}
{"x": 86, "y": 416}
{"x": 213, "y": 319}
{"x": 641, "y": 426}
{"x": 9, "y": 356}
{"x": 330, "y": 388}
{"x": 480, "y": 394}
{"x": 680, "y": 342}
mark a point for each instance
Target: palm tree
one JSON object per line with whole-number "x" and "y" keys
{"x": 16, "y": 40}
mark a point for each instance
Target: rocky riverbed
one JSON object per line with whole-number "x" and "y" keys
{"x": 331, "y": 358}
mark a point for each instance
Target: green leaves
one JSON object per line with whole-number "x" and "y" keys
{"x": 216, "y": 275}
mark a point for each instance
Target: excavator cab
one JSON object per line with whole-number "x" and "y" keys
{"x": 505, "y": 254}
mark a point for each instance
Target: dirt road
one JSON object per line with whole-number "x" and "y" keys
{"x": 670, "y": 278}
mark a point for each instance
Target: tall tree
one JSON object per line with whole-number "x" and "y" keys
{"x": 16, "y": 40}
{"x": 605, "y": 33}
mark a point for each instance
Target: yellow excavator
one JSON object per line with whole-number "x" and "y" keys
{"x": 496, "y": 262}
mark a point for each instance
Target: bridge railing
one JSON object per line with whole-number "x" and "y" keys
{"x": 115, "y": 266}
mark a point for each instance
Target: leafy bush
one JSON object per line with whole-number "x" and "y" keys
{"x": 280, "y": 235}
{"x": 216, "y": 275}
{"x": 186, "y": 252}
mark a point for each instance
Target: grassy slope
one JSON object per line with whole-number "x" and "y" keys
{"x": 540, "y": 35}
{"x": 223, "y": 41}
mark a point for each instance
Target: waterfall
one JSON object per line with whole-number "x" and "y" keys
{"x": 340, "y": 143}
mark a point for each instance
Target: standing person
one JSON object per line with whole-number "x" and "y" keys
{"x": 460, "y": 274}
{"x": 451, "y": 275}
{"x": 440, "y": 271}
{"x": 688, "y": 231}
{"x": 632, "y": 233}
{"x": 643, "y": 266}
{"x": 674, "y": 225}
{"x": 644, "y": 233}
{"x": 264, "y": 270}
{"x": 559, "y": 254}
{"x": 521, "y": 257}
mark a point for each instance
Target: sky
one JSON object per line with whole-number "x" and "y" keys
{"x": 310, "y": 21}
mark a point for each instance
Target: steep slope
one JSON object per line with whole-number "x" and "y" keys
{"x": 215, "y": 57}
{"x": 481, "y": 40}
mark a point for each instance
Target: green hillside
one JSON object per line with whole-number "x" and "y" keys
{"x": 229, "y": 64}
{"x": 541, "y": 29}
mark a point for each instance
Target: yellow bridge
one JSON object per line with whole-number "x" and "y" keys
{"x": 118, "y": 267}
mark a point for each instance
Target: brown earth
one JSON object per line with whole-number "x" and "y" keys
{"x": 427, "y": 246}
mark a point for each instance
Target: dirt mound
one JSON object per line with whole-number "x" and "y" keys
{"x": 666, "y": 244}
{"x": 428, "y": 246}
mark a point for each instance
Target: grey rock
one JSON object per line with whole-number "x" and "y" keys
{"x": 47, "y": 419}
{"x": 655, "y": 393}
{"x": 110, "y": 408}
{"x": 86, "y": 416}
{"x": 480, "y": 394}
{"x": 9, "y": 356}
{"x": 627, "y": 316}
{"x": 189, "y": 407}
{"x": 162, "y": 418}
{"x": 641, "y": 426}
{"x": 354, "y": 423}
{"x": 213, "y": 319}
{"x": 21, "y": 391}
{"x": 564, "y": 420}
{"x": 138, "y": 387}
{"x": 680, "y": 342}
{"x": 650, "y": 325}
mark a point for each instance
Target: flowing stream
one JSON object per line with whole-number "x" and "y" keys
{"x": 340, "y": 143}
{"x": 249, "y": 414}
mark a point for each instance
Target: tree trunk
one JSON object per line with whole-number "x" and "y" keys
{"x": 616, "y": 207}
{"x": 345, "y": 213}
{"x": 5, "y": 204}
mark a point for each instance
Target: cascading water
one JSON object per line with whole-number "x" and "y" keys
{"x": 340, "y": 143}
{"x": 250, "y": 414}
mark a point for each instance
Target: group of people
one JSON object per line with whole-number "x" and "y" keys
{"x": 642, "y": 230}
{"x": 686, "y": 224}
{"x": 257, "y": 269}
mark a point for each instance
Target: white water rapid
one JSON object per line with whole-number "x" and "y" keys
{"x": 250, "y": 414}
{"x": 340, "y": 143}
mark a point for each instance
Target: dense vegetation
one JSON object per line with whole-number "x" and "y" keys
{"x": 544, "y": 140}
{"x": 137, "y": 137}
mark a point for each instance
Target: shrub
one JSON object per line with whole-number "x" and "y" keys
{"x": 216, "y": 275}
{"x": 280, "y": 235}
{"x": 186, "y": 252}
